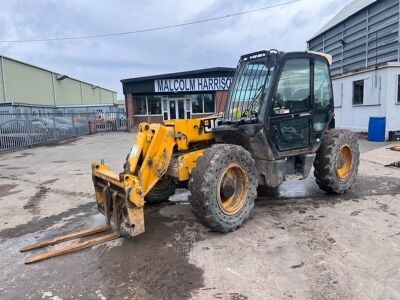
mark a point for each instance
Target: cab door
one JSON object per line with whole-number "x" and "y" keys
{"x": 323, "y": 98}
{"x": 291, "y": 118}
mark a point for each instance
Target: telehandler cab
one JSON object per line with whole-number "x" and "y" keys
{"x": 278, "y": 122}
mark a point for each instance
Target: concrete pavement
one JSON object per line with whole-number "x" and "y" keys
{"x": 298, "y": 244}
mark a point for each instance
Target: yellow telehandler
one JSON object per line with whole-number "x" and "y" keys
{"x": 277, "y": 124}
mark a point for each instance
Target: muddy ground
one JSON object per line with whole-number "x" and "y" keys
{"x": 298, "y": 244}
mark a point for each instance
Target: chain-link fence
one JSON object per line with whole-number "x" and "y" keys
{"x": 21, "y": 130}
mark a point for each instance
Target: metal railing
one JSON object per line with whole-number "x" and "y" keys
{"x": 111, "y": 121}
{"x": 22, "y": 130}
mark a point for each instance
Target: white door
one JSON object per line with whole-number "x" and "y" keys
{"x": 175, "y": 109}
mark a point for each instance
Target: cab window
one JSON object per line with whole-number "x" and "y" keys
{"x": 323, "y": 98}
{"x": 293, "y": 92}
{"x": 322, "y": 85}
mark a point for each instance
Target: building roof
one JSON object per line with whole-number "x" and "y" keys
{"x": 349, "y": 10}
{"x": 179, "y": 74}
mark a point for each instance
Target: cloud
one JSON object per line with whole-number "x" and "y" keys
{"x": 106, "y": 61}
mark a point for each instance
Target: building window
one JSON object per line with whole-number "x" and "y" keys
{"x": 209, "y": 104}
{"x": 140, "y": 105}
{"x": 358, "y": 92}
{"x": 203, "y": 103}
{"x": 197, "y": 104}
{"x": 154, "y": 105}
{"x": 398, "y": 88}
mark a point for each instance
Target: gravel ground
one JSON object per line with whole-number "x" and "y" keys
{"x": 298, "y": 244}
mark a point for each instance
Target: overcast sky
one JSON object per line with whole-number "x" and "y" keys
{"x": 105, "y": 61}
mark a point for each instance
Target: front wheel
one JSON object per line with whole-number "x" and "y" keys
{"x": 223, "y": 187}
{"x": 337, "y": 160}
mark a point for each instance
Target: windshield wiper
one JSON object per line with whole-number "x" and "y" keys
{"x": 260, "y": 90}
{"x": 249, "y": 107}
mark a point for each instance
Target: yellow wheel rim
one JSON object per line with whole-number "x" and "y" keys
{"x": 344, "y": 163}
{"x": 232, "y": 189}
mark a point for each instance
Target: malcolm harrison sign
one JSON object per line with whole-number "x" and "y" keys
{"x": 192, "y": 85}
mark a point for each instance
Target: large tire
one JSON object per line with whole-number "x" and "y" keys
{"x": 337, "y": 160}
{"x": 223, "y": 187}
{"x": 163, "y": 189}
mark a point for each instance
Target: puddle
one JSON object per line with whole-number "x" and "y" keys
{"x": 24, "y": 154}
{"x": 7, "y": 189}
{"x": 154, "y": 265}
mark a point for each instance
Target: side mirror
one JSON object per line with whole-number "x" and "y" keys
{"x": 271, "y": 61}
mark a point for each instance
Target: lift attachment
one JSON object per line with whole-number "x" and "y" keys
{"x": 395, "y": 148}
{"x": 394, "y": 164}
{"x": 108, "y": 236}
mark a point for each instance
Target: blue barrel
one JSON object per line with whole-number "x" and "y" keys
{"x": 376, "y": 129}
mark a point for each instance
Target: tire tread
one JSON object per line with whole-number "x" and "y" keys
{"x": 325, "y": 161}
{"x": 203, "y": 181}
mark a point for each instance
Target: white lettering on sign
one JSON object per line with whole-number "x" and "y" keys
{"x": 192, "y": 84}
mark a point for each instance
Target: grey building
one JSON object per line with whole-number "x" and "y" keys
{"x": 363, "y": 39}
{"x": 363, "y": 33}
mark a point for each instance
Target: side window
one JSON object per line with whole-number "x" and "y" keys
{"x": 322, "y": 96}
{"x": 293, "y": 92}
{"x": 358, "y": 92}
{"x": 322, "y": 86}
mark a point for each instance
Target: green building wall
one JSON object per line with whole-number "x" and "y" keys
{"x": 89, "y": 94}
{"x": 2, "y": 99}
{"x": 68, "y": 92}
{"x": 28, "y": 84}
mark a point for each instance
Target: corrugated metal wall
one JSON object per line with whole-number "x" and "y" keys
{"x": 370, "y": 36}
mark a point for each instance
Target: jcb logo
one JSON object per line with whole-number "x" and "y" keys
{"x": 210, "y": 124}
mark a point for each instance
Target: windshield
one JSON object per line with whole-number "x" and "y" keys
{"x": 251, "y": 78}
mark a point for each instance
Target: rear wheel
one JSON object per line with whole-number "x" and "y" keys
{"x": 163, "y": 189}
{"x": 223, "y": 187}
{"x": 337, "y": 160}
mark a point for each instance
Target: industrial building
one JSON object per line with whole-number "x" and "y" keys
{"x": 24, "y": 83}
{"x": 363, "y": 39}
{"x": 38, "y": 106}
{"x": 183, "y": 95}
